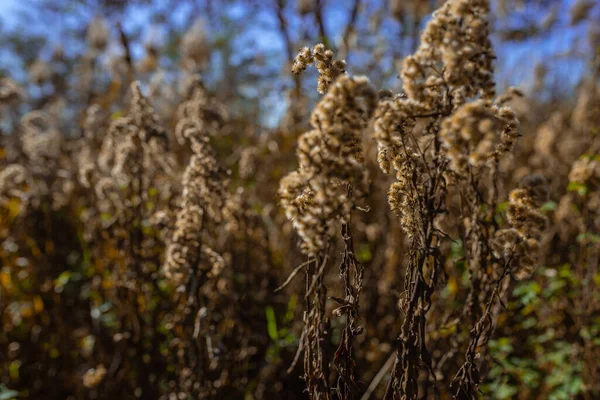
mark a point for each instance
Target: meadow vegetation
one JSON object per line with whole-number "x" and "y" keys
{"x": 433, "y": 237}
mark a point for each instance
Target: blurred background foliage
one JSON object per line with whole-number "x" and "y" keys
{"x": 65, "y": 323}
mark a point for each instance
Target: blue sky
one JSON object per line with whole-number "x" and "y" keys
{"x": 7, "y": 8}
{"x": 516, "y": 60}
{"x": 515, "y": 65}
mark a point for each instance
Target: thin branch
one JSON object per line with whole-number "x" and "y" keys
{"x": 293, "y": 274}
{"x": 320, "y": 22}
{"x": 349, "y": 29}
{"x": 382, "y": 372}
{"x": 126, "y": 47}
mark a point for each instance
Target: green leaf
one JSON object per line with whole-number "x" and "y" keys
{"x": 501, "y": 207}
{"x": 527, "y": 292}
{"x": 578, "y": 187}
{"x": 553, "y": 287}
{"x": 62, "y": 280}
{"x": 7, "y": 394}
{"x": 501, "y": 345}
{"x": 272, "y": 324}
{"x": 505, "y": 391}
{"x": 364, "y": 253}
{"x": 457, "y": 250}
{"x": 291, "y": 308}
{"x": 14, "y": 370}
{"x": 588, "y": 237}
{"x": 565, "y": 271}
{"x": 549, "y": 206}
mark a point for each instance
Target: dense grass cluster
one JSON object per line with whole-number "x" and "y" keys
{"x": 440, "y": 240}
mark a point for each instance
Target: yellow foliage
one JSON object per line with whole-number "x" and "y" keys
{"x": 14, "y": 208}
{"x": 27, "y": 311}
{"x": 38, "y": 304}
{"x": 5, "y": 279}
{"x": 452, "y": 285}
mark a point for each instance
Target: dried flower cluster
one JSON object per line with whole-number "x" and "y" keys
{"x": 98, "y": 34}
{"x": 471, "y": 135}
{"x": 195, "y": 47}
{"x": 446, "y": 126}
{"x": 414, "y": 8}
{"x": 15, "y": 182}
{"x": 329, "y": 179}
{"x": 456, "y": 53}
{"x": 133, "y": 264}
{"x": 10, "y": 92}
{"x": 41, "y": 141}
{"x": 521, "y": 242}
{"x": 329, "y": 160}
{"x": 203, "y": 196}
{"x": 329, "y": 68}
